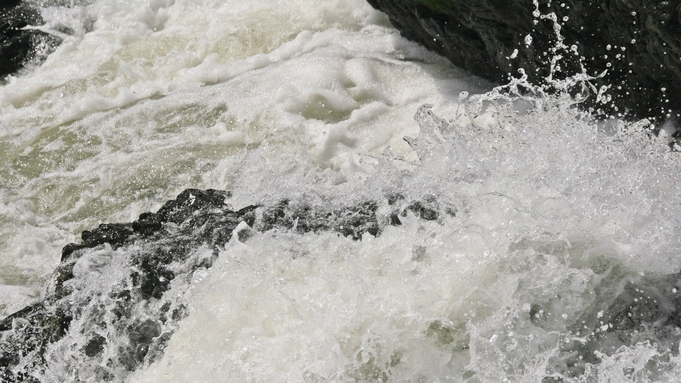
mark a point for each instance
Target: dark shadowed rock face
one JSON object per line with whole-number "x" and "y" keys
{"x": 19, "y": 43}
{"x": 638, "y": 42}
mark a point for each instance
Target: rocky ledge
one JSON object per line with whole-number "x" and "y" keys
{"x": 20, "y": 42}
{"x": 636, "y": 42}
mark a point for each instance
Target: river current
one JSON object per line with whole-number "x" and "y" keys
{"x": 553, "y": 215}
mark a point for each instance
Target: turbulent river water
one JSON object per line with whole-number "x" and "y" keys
{"x": 553, "y": 215}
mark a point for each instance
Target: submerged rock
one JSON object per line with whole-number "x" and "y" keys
{"x": 647, "y": 310}
{"x": 19, "y": 40}
{"x": 107, "y": 309}
{"x": 636, "y": 43}
{"x": 629, "y": 310}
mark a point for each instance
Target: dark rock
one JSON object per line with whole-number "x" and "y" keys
{"x": 353, "y": 221}
{"x": 69, "y": 249}
{"x": 427, "y": 210}
{"x": 94, "y": 346}
{"x": 19, "y": 43}
{"x": 637, "y": 42}
{"x": 191, "y": 201}
{"x": 185, "y": 235}
{"x": 141, "y": 335}
{"x": 148, "y": 224}
{"x": 635, "y": 310}
{"x": 646, "y": 310}
{"x": 115, "y": 234}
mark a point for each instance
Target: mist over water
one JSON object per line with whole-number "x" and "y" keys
{"x": 551, "y": 213}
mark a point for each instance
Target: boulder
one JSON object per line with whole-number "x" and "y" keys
{"x": 19, "y": 42}
{"x": 637, "y": 43}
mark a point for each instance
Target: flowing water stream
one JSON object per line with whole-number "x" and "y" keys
{"x": 553, "y": 217}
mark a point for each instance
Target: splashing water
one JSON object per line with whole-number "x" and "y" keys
{"x": 518, "y": 285}
{"x": 560, "y": 228}
{"x": 555, "y": 216}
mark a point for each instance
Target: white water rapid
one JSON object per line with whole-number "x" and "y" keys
{"x": 552, "y": 214}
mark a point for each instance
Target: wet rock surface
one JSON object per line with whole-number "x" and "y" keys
{"x": 648, "y": 310}
{"x": 637, "y": 42}
{"x": 107, "y": 302}
{"x": 20, "y": 42}
{"x": 630, "y": 310}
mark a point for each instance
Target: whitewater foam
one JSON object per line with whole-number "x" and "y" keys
{"x": 552, "y": 213}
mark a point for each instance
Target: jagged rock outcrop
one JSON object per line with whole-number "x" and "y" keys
{"x": 638, "y": 43}
{"x": 108, "y": 293}
{"x": 19, "y": 42}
